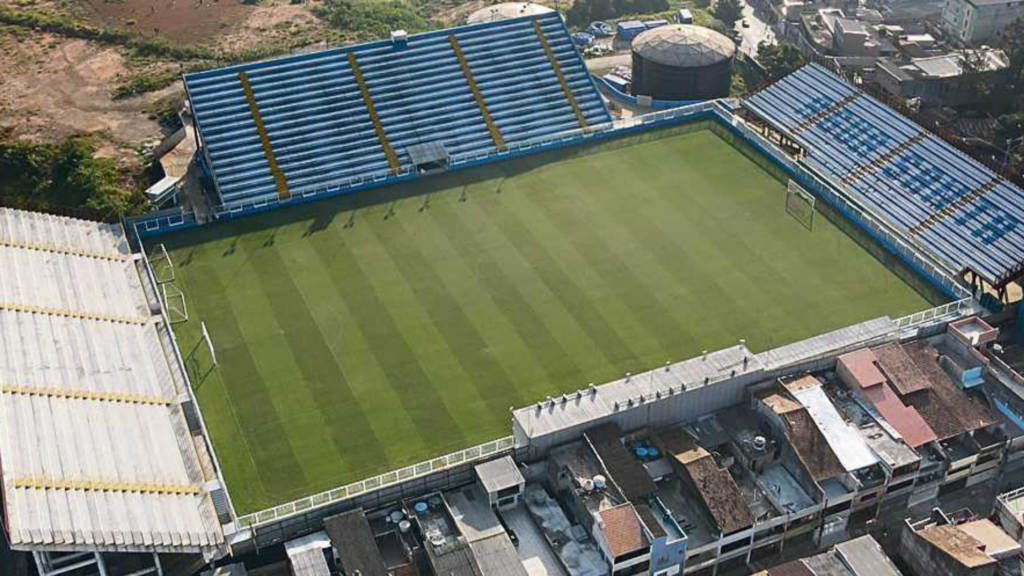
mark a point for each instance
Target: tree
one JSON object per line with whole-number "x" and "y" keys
{"x": 779, "y": 60}
{"x": 973, "y": 82}
{"x": 1011, "y": 40}
{"x": 729, "y": 11}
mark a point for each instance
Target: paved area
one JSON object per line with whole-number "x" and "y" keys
{"x": 759, "y": 30}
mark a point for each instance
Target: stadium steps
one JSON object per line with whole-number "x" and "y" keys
{"x": 371, "y": 109}
{"x": 558, "y": 72}
{"x": 268, "y": 150}
{"x": 322, "y": 133}
{"x": 499, "y": 142}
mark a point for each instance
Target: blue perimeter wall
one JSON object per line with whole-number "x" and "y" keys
{"x": 157, "y": 223}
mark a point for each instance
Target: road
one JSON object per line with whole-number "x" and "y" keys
{"x": 759, "y": 30}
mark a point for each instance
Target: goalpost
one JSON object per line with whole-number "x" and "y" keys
{"x": 800, "y": 204}
{"x": 160, "y": 262}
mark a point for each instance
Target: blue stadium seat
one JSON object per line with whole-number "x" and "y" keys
{"x": 955, "y": 208}
{"x": 321, "y": 132}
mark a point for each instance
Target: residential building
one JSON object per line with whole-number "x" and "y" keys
{"x": 942, "y": 545}
{"x": 858, "y": 557}
{"x": 972, "y": 22}
{"x": 939, "y": 80}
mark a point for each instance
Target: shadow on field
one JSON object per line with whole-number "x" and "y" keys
{"x": 322, "y": 214}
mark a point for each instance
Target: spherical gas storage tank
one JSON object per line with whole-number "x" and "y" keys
{"x": 682, "y": 62}
{"x": 506, "y": 10}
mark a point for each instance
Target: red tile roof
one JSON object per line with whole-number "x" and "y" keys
{"x": 902, "y": 372}
{"x": 622, "y": 530}
{"x": 906, "y": 420}
{"x": 861, "y": 366}
{"x": 972, "y": 411}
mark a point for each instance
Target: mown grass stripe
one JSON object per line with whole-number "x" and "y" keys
{"x": 590, "y": 244}
{"x": 355, "y": 443}
{"x": 573, "y": 298}
{"x": 418, "y": 392}
{"x": 471, "y": 349}
{"x": 276, "y": 463}
{"x": 549, "y": 353}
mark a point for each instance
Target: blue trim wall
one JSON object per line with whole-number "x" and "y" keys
{"x": 614, "y": 93}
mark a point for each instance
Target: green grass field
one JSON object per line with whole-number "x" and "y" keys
{"x": 360, "y": 334}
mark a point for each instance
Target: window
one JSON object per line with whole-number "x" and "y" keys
{"x": 506, "y": 492}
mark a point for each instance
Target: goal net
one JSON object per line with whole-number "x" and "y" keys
{"x": 800, "y": 204}
{"x": 174, "y": 303}
{"x": 160, "y": 263}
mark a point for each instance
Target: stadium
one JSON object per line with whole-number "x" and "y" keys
{"x": 414, "y": 236}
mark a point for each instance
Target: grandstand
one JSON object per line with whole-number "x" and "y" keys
{"x": 327, "y": 120}
{"x": 95, "y": 450}
{"x": 956, "y": 210}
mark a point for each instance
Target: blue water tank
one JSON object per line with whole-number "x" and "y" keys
{"x": 630, "y": 29}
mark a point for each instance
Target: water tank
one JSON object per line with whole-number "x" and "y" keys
{"x": 682, "y": 62}
{"x": 760, "y": 442}
{"x": 404, "y": 526}
{"x": 600, "y": 482}
{"x": 506, "y": 10}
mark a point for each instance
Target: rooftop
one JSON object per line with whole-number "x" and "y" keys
{"x": 998, "y": 544}
{"x": 716, "y": 487}
{"x": 959, "y": 545}
{"x": 95, "y": 447}
{"x": 875, "y": 431}
{"x": 622, "y": 530}
{"x": 497, "y": 475}
{"x": 865, "y": 557}
{"x": 580, "y": 558}
{"x": 853, "y": 452}
{"x": 352, "y": 538}
{"x": 306, "y": 555}
{"x": 625, "y": 470}
{"x": 536, "y": 555}
{"x": 805, "y": 437}
{"x": 595, "y": 404}
{"x": 490, "y": 544}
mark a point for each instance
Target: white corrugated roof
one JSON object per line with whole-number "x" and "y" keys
{"x": 853, "y": 452}
{"x": 683, "y": 45}
{"x": 94, "y": 448}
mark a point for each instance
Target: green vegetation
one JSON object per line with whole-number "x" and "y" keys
{"x": 365, "y": 19}
{"x": 779, "y": 59}
{"x": 64, "y": 178}
{"x": 363, "y": 333}
{"x": 728, "y": 11}
{"x": 583, "y": 12}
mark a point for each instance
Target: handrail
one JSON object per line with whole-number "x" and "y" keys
{"x": 354, "y": 489}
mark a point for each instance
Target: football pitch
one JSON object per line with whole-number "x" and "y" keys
{"x": 360, "y": 334}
